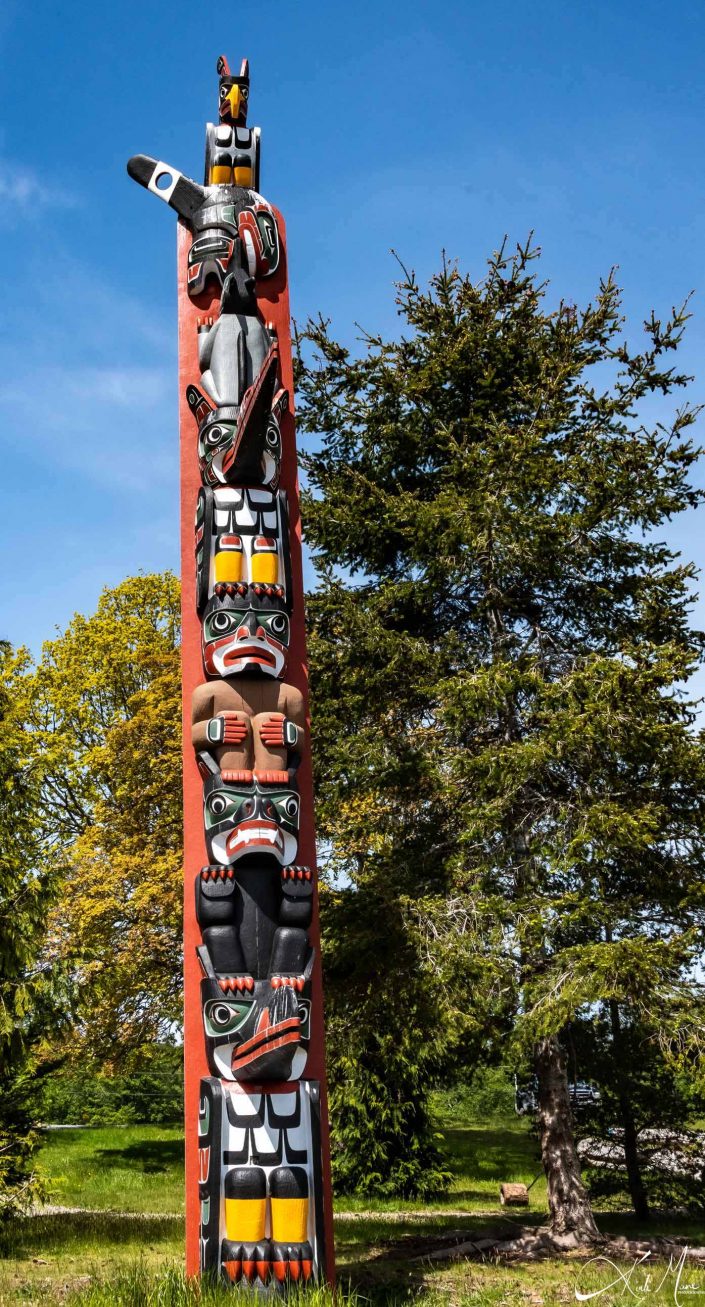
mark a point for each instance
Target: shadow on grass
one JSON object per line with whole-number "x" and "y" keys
{"x": 385, "y": 1260}
{"x": 383, "y": 1263}
{"x": 151, "y": 1156}
{"x": 54, "y": 1233}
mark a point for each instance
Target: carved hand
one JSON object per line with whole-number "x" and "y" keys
{"x": 278, "y": 732}
{"x": 227, "y": 728}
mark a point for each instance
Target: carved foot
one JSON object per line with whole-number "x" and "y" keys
{"x": 293, "y": 1261}
{"x": 246, "y": 1261}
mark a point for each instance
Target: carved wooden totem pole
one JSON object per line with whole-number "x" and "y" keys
{"x": 258, "y": 1189}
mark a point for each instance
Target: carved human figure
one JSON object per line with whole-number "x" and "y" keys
{"x": 252, "y": 727}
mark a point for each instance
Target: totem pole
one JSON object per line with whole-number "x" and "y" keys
{"x": 257, "y": 1171}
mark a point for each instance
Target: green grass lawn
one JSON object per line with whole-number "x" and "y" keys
{"x": 127, "y": 1169}
{"x": 141, "y": 1169}
{"x": 131, "y": 1180}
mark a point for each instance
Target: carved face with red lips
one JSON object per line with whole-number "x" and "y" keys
{"x": 243, "y": 819}
{"x": 246, "y": 634}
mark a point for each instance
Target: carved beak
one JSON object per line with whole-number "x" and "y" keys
{"x": 233, "y": 99}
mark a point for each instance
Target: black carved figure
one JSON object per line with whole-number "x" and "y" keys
{"x": 253, "y": 905}
{"x": 232, "y": 149}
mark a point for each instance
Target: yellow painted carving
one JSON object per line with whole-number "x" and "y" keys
{"x": 290, "y": 1219}
{"x": 244, "y": 1218}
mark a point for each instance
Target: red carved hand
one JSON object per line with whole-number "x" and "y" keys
{"x": 271, "y": 730}
{"x": 234, "y": 728}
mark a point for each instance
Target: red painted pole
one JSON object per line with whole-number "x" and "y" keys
{"x": 228, "y": 1230}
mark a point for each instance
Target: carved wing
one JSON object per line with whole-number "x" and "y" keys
{"x": 167, "y": 184}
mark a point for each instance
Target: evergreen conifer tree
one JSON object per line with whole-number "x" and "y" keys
{"x": 508, "y": 775}
{"x": 30, "y": 995}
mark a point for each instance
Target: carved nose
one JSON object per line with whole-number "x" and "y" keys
{"x": 248, "y": 628}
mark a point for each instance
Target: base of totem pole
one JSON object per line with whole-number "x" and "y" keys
{"x": 261, "y": 1182}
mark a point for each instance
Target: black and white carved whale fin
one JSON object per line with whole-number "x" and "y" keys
{"x": 167, "y": 184}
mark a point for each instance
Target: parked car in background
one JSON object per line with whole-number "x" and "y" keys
{"x": 526, "y": 1100}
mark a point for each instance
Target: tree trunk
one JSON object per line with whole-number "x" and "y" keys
{"x": 637, "y": 1192}
{"x": 568, "y": 1202}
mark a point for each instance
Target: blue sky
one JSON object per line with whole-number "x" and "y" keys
{"x": 416, "y": 126}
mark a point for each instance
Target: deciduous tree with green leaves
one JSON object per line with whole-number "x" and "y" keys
{"x": 509, "y": 776}
{"x": 103, "y": 707}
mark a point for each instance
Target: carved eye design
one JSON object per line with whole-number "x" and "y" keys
{"x": 271, "y": 436}
{"x": 303, "y": 1014}
{"x": 291, "y": 807}
{"x": 221, "y": 622}
{"x": 215, "y": 435}
{"x": 244, "y": 92}
{"x": 224, "y": 1018}
{"x": 277, "y": 624}
{"x": 218, "y": 805}
{"x": 223, "y": 92}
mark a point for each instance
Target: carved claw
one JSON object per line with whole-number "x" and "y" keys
{"x": 292, "y": 1261}
{"x": 215, "y": 872}
{"x": 229, "y": 984}
{"x": 230, "y": 588}
{"x": 291, "y": 982}
{"x": 296, "y": 873}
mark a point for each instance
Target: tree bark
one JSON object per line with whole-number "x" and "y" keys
{"x": 637, "y": 1192}
{"x": 568, "y": 1202}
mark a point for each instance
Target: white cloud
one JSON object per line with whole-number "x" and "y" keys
{"x": 22, "y": 193}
